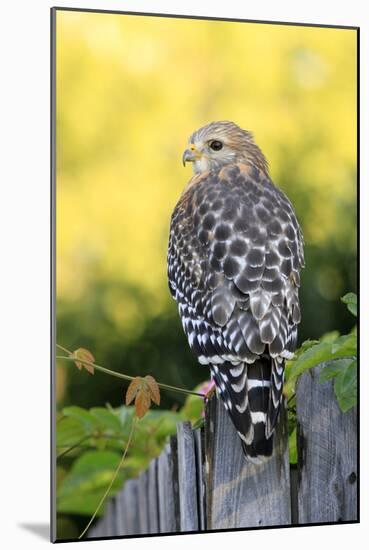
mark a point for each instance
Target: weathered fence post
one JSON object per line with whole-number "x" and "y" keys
{"x": 327, "y": 449}
{"x": 168, "y": 488}
{"x": 153, "y": 497}
{"x": 239, "y": 493}
{"x": 187, "y": 478}
{"x": 127, "y": 502}
{"x": 143, "y": 502}
{"x": 199, "y": 438}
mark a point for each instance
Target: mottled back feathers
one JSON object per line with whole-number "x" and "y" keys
{"x": 234, "y": 260}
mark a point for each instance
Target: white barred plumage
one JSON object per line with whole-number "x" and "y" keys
{"x": 234, "y": 259}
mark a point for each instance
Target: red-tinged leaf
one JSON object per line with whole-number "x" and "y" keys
{"x": 142, "y": 402}
{"x": 133, "y": 388}
{"x": 153, "y": 389}
{"x": 82, "y": 354}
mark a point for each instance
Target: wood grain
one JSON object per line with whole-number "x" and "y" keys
{"x": 127, "y": 502}
{"x": 199, "y": 439}
{"x": 143, "y": 503}
{"x": 240, "y": 493}
{"x": 187, "y": 478}
{"x": 168, "y": 520}
{"x": 153, "y": 497}
{"x": 327, "y": 448}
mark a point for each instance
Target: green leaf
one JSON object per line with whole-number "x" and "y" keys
{"x": 312, "y": 356}
{"x": 135, "y": 464}
{"x": 125, "y": 415}
{"x": 166, "y": 425}
{"x": 107, "y": 419}
{"x": 93, "y": 466}
{"x": 193, "y": 408}
{"x": 292, "y": 444}
{"x": 330, "y": 337}
{"x": 81, "y": 489}
{"x": 350, "y": 300}
{"x": 333, "y": 368}
{"x": 345, "y": 387}
{"x": 83, "y": 416}
{"x": 70, "y": 431}
{"x": 306, "y": 345}
{"x": 345, "y": 345}
{"x": 60, "y": 475}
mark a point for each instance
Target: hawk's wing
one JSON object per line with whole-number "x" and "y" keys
{"x": 234, "y": 258}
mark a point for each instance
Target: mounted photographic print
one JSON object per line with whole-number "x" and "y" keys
{"x": 204, "y": 184}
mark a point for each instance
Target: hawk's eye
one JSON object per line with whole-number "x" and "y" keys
{"x": 216, "y": 145}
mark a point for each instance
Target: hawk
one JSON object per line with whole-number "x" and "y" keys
{"x": 234, "y": 258}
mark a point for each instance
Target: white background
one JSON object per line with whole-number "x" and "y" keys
{"x": 24, "y": 272}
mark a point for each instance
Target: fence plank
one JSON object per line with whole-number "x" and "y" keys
{"x": 167, "y": 492}
{"x": 294, "y": 497}
{"x": 200, "y": 465}
{"x": 327, "y": 448}
{"x": 110, "y": 515}
{"x": 97, "y": 530}
{"x": 101, "y": 528}
{"x": 174, "y": 479}
{"x": 120, "y": 511}
{"x": 187, "y": 479}
{"x": 129, "y": 507}
{"x": 239, "y": 493}
{"x": 143, "y": 502}
{"x": 153, "y": 497}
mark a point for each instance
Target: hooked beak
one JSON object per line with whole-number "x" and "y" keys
{"x": 190, "y": 155}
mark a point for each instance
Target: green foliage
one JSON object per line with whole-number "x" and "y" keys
{"x": 90, "y": 444}
{"x": 343, "y": 346}
{"x": 84, "y": 418}
{"x": 345, "y": 386}
{"x": 337, "y": 354}
{"x": 82, "y": 488}
{"x": 107, "y": 419}
{"x": 333, "y": 369}
{"x": 344, "y": 372}
{"x": 69, "y": 431}
{"x": 292, "y": 445}
{"x": 351, "y": 300}
{"x": 193, "y": 408}
{"x": 338, "y": 357}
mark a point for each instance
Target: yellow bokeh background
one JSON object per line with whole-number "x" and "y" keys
{"x": 129, "y": 92}
{"x": 131, "y": 89}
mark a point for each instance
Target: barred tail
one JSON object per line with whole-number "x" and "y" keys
{"x": 252, "y": 394}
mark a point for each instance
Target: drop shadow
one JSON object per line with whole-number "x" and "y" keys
{"x": 42, "y": 530}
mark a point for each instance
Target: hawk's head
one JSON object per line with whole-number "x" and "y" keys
{"x": 221, "y": 143}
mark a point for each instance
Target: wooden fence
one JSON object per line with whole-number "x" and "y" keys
{"x": 201, "y": 481}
